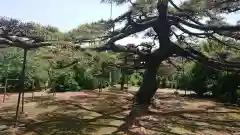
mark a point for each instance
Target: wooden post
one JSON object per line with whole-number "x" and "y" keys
{"x": 33, "y": 84}
{"x": 22, "y": 102}
{"x": 33, "y": 95}
{"x": 5, "y": 91}
{"x": 24, "y": 62}
{"x": 110, "y": 79}
{"x": 22, "y": 78}
{"x": 100, "y": 85}
{"x": 127, "y": 76}
{"x": 122, "y": 79}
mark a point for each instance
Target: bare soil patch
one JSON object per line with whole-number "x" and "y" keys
{"x": 88, "y": 112}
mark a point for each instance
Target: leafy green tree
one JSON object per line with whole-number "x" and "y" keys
{"x": 11, "y": 62}
{"x": 25, "y": 36}
{"x": 201, "y": 79}
{"x": 90, "y": 32}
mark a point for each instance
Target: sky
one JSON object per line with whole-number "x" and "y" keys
{"x": 66, "y": 14}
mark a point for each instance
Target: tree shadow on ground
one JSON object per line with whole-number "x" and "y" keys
{"x": 7, "y": 108}
{"x": 167, "y": 122}
{"x": 104, "y": 103}
{"x": 182, "y": 121}
{"x": 88, "y": 115}
{"x": 74, "y": 117}
{"x": 7, "y": 114}
{"x": 70, "y": 124}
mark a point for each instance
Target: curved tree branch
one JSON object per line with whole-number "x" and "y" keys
{"x": 206, "y": 27}
{"x": 211, "y": 62}
{"x": 204, "y": 34}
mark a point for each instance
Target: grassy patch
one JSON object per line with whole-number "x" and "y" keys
{"x": 234, "y": 116}
{"x": 180, "y": 130}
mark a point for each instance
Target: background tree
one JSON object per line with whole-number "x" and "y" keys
{"x": 22, "y": 35}
{"x": 90, "y": 33}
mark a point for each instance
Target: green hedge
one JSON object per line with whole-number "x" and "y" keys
{"x": 202, "y": 79}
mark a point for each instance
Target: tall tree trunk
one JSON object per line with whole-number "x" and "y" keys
{"x": 148, "y": 87}
{"x": 162, "y": 29}
{"x": 22, "y": 78}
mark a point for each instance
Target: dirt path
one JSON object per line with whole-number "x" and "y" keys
{"x": 89, "y": 113}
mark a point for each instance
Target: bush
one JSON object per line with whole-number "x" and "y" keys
{"x": 238, "y": 97}
{"x": 202, "y": 79}
{"x": 76, "y": 79}
{"x": 162, "y": 82}
{"x": 184, "y": 81}
{"x": 11, "y": 67}
{"x": 65, "y": 82}
{"x": 115, "y": 77}
{"x": 196, "y": 78}
{"x": 135, "y": 79}
{"x": 225, "y": 84}
{"x": 85, "y": 79}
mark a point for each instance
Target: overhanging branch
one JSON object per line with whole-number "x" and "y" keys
{"x": 206, "y": 27}
{"x": 203, "y": 34}
{"x": 211, "y": 62}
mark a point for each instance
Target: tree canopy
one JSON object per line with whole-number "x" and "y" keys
{"x": 176, "y": 25}
{"x": 176, "y": 28}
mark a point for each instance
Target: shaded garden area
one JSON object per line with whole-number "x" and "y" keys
{"x": 105, "y": 114}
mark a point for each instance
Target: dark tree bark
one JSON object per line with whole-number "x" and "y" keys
{"x": 150, "y": 83}
{"x": 148, "y": 87}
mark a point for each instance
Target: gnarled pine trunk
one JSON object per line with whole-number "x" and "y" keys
{"x": 148, "y": 87}
{"x": 166, "y": 49}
